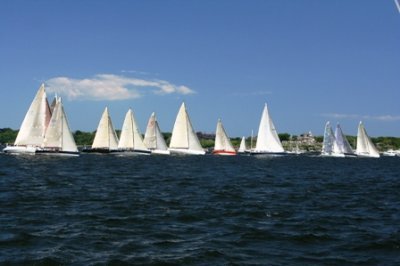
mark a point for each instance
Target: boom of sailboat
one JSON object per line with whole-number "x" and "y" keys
{"x": 45, "y": 130}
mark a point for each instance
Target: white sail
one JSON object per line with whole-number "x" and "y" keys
{"x": 131, "y": 138}
{"x": 36, "y": 120}
{"x": 184, "y": 138}
{"x": 105, "y": 137}
{"x": 242, "y": 147}
{"x": 365, "y": 147}
{"x": 153, "y": 138}
{"x": 342, "y": 143}
{"x": 267, "y": 140}
{"x": 329, "y": 140}
{"x": 58, "y": 134}
{"x": 222, "y": 142}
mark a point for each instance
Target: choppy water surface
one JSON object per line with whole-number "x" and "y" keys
{"x": 199, "y": 210}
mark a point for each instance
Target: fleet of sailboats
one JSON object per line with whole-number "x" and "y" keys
{"x": 45, "y": 130}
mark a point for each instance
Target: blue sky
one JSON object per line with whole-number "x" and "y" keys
{"x": 311, "y": 61}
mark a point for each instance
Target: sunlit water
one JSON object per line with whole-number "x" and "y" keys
{"x": 203, "y": 210}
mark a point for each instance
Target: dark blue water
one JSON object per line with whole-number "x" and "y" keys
{"x": 200, "y": 210}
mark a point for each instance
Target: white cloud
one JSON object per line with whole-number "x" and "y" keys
{"x": 363, "y": 117}
{"x": 111, "y": 87}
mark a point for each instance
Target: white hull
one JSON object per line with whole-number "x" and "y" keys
{"x": 337, "y": 155}
{"x": 132, "y": 152}
{"x": 162, "y": 152}
{"x": 186, "y": 151}
{"x": 20, "y": 149}
{"x": 367, "y": 155}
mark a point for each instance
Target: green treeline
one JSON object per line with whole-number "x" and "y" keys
{"x": 8, "y": 135}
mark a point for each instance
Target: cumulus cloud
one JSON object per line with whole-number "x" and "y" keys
{"x": 111, "y": 87}
{"x": 388, "y": 118}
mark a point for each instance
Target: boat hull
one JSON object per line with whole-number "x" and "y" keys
{"x": 20, "y": 149}
{"x": 132, "y": 152}
{"x": 57, "y": 153}
{"x": 99, "y": 151}
{"x": 186, "y": 152}
{"x": 265, "y": 153}
{"x": 367, "y": 155}
{"x": 336, "y": 155}
{"x": 161, "y": 152}
{"x": 224, "y": 153}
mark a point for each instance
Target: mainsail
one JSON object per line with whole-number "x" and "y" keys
{"x": 328, "y": 144}
{"x": 36, "y": 120}
{"x": 267, "y": 139}
{"x": 242, "y": 147}
{"x": 131, "y": 138}
{"x": 153, "y": 138}
{"x": 222, "y": 144}
{"x": 184, "y": 138}
{"x": 343, "y": 145}
{"x": 58, "y": 135}
{"x": 105, "y": 137}
{"x": 365, "y": 147}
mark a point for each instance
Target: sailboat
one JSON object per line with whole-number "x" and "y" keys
{"x": 131, "y": 139}
{"x": 329, "y": 144}
{"x": 153, "y": 138}
{"x": 223, "y": 145}
{"x": 243, "y": 148}
{"x": 365, "y": 147}
{"x": 58, "y": 139}
{"x": 184, "y": 139}
{"x": 343, "y": 146}
{"x": 33, "y": 127}
{"x": 105, "y": 140}
{"x": 294, "y": 150}
{"x": 268, "y": 141}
